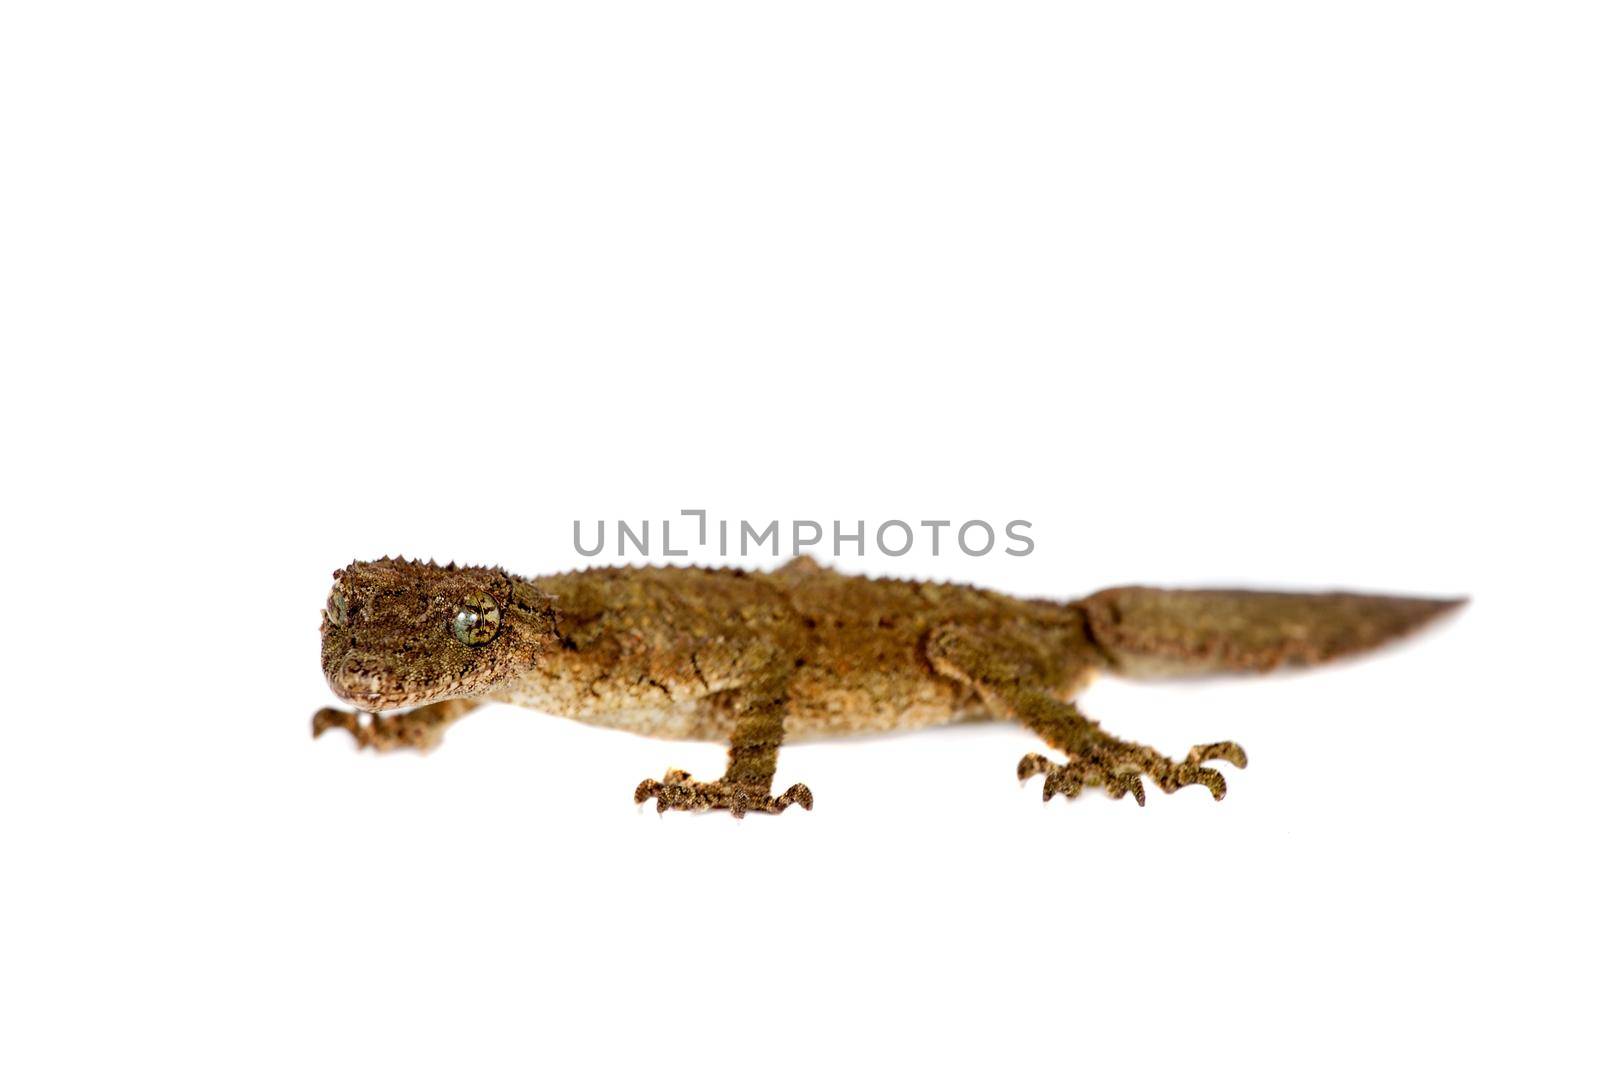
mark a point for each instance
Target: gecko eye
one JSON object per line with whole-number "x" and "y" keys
{"x": 338, "y": 611}
{"x": 477, "y": 620}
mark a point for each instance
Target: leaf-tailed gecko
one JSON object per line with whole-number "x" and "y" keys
{"x": 757, "y": 658}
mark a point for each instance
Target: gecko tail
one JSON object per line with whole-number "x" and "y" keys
{"x": 1160, "y": 632}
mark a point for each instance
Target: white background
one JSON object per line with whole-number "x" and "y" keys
{"x": 1287, "y": 295}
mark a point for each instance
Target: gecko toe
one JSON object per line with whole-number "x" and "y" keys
{"x": 1118, "y": 785}
{"x": 799, "y": 794}
{"x": 1122, "y": 784}
{"x": 1033, "y": 764}
{"x": 1064, "y": 779}
{"x": 1212, "y": 780}
{"x": 1174, "y": 776}
{"x": 1222, "y": 750}
{"x": 336, "y": 719}
{"x": 327, "y": 718}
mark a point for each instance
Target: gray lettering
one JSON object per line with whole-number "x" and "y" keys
{"x": 903, "y": 548}
{"x": 806, "y": 542}
{"x": 1011, "y": 532}
{"x": 702, "y": 513}
{"x": 859, "y": 537}
{"x": 624, "y": 535}
{"x": 577, "y": 542}
{"x": 745, "y": 530}
{"x": 961, "y": 537}
{"x": 666, "y": 540}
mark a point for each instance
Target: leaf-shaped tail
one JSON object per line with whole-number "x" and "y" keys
{"x": 1151, "y": 632}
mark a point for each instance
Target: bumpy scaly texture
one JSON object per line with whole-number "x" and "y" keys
{"x": 1192, "y": 631}
{"x": 755, "y": 658}
{"x": 388, "y": 632}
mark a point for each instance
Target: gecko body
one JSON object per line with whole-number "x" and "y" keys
{"x": 756, "y": 658}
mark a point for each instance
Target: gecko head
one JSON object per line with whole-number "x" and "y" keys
{"x": 396, "y": 633}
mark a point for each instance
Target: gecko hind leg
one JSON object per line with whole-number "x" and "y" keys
{"x": 747, "y": 783}
{"x": 420, "y": 728}
{"x": 1014, "y": 678}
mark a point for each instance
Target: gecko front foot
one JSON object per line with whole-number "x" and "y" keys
{"x": 421, "y": 728}
{"x": 679, "y": 792}
{"x": 374, "y": 731}
{"x": 1117, "y": 769}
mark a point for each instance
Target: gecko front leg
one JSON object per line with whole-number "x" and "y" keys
{"x": 752, "y": 762}
{"x": 420, "y": 728}
{"x": 1011, "y": 676}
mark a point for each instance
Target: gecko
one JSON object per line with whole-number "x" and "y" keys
{"x": 755, "y": 658}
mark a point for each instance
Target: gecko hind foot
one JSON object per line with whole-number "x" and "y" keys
{"x": 1118, "y": 771}
{"x": 679, "y": 792}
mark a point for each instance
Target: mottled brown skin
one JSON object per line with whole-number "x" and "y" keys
{"x": 756, "y": 658}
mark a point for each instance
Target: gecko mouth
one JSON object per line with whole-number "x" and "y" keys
{"x": 375, "y": 685}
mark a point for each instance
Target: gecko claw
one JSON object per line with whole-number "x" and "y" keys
{"x": 677, "y": 791}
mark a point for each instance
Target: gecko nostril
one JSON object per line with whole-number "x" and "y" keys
{"x": 356, "y": 671}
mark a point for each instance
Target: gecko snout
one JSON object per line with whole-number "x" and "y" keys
{"x": 360, "y": 679}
